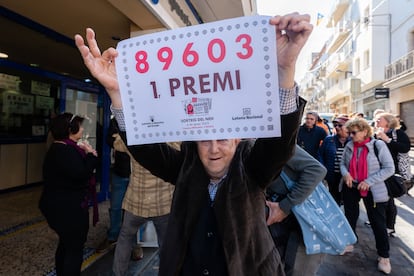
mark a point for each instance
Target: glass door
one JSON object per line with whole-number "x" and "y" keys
{"x": 93, "y": 105}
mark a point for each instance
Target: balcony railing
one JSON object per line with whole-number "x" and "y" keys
{"x": 339, "y": 90}
{"x": 400, "y": 67}
{"x": 341, "y": 59}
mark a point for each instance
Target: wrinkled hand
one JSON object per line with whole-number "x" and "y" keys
{"x": 87, "y": 148}
{"x": 292, "y": 32}
{"x": 101, "y": 66}
{"x": 348, "y": 180}
{"x": 380, "y": 134}
{"x": 275, "y": 213}
{"x": 363, "y": 186}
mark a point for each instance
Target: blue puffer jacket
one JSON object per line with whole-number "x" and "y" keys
{"x": 327, "y": 154}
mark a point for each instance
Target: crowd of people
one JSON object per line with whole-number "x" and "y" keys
{"x": 355, "y": 171}
{"x": 208, "y": 195}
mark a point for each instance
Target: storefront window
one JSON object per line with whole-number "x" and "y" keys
{"x": 26, "y": 106}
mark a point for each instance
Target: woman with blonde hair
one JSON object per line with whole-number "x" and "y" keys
{"x": 363, "y": 175}
{"x": 397, "y": 142}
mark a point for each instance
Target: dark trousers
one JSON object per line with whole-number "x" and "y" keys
{"x": 391, "y": 213}
{"x": 71, "y": 224}
{"x": 376, "y": 214}
{"x": 334, "y": 188}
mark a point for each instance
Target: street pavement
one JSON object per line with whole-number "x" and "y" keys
{"x": 148, "y": 266}
{"x": 361, "y": 262}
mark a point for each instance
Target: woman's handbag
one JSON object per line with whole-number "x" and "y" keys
{"x": 395, "y": 184}
{"x": 324, "y": 226}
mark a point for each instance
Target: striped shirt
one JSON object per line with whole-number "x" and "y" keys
{"x": 338, "y": 157}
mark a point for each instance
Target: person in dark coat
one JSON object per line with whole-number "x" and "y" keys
{"x": 397, "y": 142}
{"x": 310, "y": 135}
{"x": 67, "y": 171}
{"x": 217, "y": 223}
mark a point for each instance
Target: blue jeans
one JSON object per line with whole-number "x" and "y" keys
{"x": 118, "y": 188}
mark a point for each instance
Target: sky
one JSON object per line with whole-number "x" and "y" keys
{"x": 312, "y": 7}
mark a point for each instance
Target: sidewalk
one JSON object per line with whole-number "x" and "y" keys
{"x": 361, "y": 262}
{"x": 148, "y": 266}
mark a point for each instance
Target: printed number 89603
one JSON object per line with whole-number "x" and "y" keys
{"x": 190, "y": 57}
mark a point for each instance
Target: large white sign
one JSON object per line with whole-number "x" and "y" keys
{"x": 210, "y": 81}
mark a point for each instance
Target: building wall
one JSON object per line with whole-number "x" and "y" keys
{"x": 402, "y": 35}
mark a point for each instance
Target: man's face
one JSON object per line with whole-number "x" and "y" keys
{"x": 216, "y": 155}
{"x": 310, "y": 120}
{"x": 340, "y": 128}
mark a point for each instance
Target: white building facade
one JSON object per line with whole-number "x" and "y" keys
{"x": 368, "y": 62}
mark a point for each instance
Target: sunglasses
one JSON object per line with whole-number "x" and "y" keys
{"x": 337, "y": 125}
{"x": 354, "y": 132}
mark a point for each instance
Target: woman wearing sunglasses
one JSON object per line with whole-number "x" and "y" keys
{"x": 363, "y": 176}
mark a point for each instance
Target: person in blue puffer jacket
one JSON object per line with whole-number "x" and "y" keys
{"x": 330, "y": 155}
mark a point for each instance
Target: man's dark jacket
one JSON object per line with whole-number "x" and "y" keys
{"x": 239, "y": 205}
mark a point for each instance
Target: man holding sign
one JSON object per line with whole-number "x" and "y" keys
{"x": 217, "y": 223}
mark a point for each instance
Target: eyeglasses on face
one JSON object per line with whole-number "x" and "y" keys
{"x": 312, "y": 119}
{"x": 337, "y": 125}
{"x": 354, "y": 132}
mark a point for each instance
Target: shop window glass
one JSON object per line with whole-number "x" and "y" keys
{"x": 85, "y": 105}
{"x": 26, "y": 106}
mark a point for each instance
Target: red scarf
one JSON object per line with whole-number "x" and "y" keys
{"x": 92, "y": 185}
{"x": 358, "y": 167}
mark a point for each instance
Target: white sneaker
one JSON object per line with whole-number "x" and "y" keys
{"x": 384, "y": 265}
{"x": 391, "y": 233}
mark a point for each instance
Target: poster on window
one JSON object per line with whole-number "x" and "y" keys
{"x": 9, "y": 82}
{"x": 40, "y": 88}
{"x": 15, "y": 103}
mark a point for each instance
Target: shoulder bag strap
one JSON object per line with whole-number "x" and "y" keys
{"x": 394, "y": 135}
{"x": 376, "y": 151}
